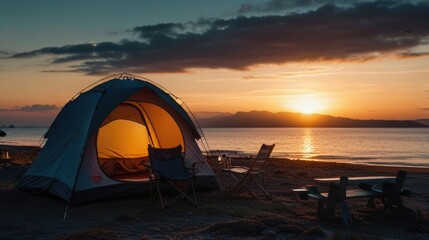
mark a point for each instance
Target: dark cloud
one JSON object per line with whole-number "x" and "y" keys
{"x": 163, "y": 29}
{"x": 281, "y": 5}
{"x": 272, "y": 6}
{"x": 413, "y": 54}
{"x": 425, "y": 109}
{"x": 361, "y": 32}
{"x": 32, "y": 108}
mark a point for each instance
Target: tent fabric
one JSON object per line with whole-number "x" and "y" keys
{"x": 98, "y": 142}
{"x": 124, "y": 111}
{"x": 114, "y": 142}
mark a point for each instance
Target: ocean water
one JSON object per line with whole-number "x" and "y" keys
{"x": 23, "y": 136}
{"x": 379, "y": 146}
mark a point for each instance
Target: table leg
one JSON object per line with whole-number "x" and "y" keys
{"x": 327, "y": 210}
{"x": 345, "y": 214}
{"x": 336, "y": 195}
{"x": 393, "y": 202}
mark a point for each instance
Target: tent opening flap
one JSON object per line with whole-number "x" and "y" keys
{"x": 125, "y": 134}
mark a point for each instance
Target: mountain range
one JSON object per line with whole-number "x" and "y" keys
{"x": 289, "y": 119}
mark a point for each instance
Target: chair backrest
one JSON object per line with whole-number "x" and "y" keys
{"x": 168, "y": 163}
{"x": 263, "y": 154}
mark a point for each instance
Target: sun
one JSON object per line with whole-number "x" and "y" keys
{"x": 307, "y": 104}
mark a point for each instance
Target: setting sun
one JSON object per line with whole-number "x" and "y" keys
{"x": 307, "y": 104}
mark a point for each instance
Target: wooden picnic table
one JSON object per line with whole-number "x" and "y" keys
{"x": 386, "y": 188}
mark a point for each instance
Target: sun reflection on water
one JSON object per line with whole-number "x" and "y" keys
{"x": 307, "y": 147}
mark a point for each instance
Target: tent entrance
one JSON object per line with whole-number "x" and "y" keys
{"x": 125, "y": 134}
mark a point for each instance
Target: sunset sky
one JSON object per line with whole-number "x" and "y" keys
{"x": 357, "y": 59}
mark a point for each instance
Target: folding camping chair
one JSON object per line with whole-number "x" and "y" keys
{"x": 168, "y": 166}
{"x": 244, "y": 176}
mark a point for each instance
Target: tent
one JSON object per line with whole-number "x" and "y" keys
{"x": 97, "y": 146}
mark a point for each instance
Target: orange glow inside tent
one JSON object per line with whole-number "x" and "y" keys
{"x": 125, "y": 134}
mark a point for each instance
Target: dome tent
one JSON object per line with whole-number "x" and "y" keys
{"x": 97, "y": 145}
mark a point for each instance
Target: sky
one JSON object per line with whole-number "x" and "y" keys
{"x": 356, "y": 59}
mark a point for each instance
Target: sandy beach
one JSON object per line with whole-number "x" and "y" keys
{"x": 25, "y": 215}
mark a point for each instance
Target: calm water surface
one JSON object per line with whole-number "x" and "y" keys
{"x": 23, "y": 136}
{"x": 381, "y": 146}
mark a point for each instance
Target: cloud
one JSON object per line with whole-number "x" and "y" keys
{"x": 293, "y": 5}
{"x": 425, "y": 109}
{"x": 361, "y": 32}
{"x": 280, "y": 5}
{"x": 32, "y": 108}
{"x": 413, "y": 54}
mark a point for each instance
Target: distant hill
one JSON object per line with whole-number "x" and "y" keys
{"x": 201, "y": 115}
{"x": 288, "y": 119}
{"x": 422, "y": 121}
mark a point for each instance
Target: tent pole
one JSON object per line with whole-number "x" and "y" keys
{"x": 143, "y": 114}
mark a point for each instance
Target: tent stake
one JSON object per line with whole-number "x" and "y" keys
{"x": 65, "y": 212}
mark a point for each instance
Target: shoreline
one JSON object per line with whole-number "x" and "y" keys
{"x": 13, "y": 149}
{"x": 236, "y": 154}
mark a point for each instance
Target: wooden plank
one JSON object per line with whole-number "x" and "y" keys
{"x": 313, "y": 192}
{"x": 357, "y": 180}
{"x": 302, "y": 193}
{"x": 318, "y": 197}
{"x": 354, "y": 193}
{"x": 299, "y": 190}
{"x": 360, "y": 193}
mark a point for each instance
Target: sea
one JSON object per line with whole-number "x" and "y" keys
{"x": 407, "y": 147}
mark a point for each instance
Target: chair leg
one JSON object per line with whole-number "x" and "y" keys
{"x": 229, "y": 183}
{"x": 182, "y": 193}
{"x": 193, "y": 192}
{"x": 160, "y": 196}
{"x": 245, "y": 182}
{"x": 261, "y": 187}
{"x": 242, "y": 182}
{"x": 152, "y": 197}
{"x": 245, "y": 185}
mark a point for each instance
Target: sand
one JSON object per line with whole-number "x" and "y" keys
{"x": 25, "y": 215}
